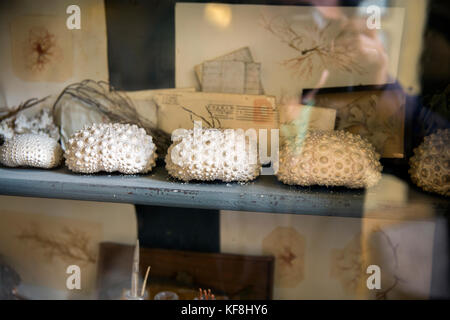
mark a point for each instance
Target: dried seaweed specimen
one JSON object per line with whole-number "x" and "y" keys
{"x": 316, "y": 47}
{"x": 288, "y": 247}
{"x": 349, "y": 265}
{"x": 109, "y": 103}
{"x": 70, "y": 245}
{"x": 24, "y": 105}
{"x": 40, "y": 49}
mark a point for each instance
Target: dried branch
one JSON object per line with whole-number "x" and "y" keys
{"x": 24, "y": 105}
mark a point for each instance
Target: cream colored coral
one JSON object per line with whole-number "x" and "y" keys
{"x": 430, "y": 165}
{"x": 110, "y": 147}
{"x": 31, "y": 150}
{"x": 212, "y": 154}
{"x": 329, "y": 158}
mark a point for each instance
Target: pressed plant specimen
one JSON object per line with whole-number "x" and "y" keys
{"x": 329, "y": 47}
{"x": 41, "y": 48}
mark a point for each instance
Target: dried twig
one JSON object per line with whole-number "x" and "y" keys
{"x": 24, "y": 105}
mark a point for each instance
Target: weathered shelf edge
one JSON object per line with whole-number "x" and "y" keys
{"x": 266, "y": 194}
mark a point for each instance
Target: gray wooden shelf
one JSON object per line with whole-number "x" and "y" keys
{"x": 265, "y": 194}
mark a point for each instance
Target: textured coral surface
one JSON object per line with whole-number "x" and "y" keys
{"x": 430, "y": 165}
{"x": 329, "y": 158}
{"x": 111, "y": 147}
{"x": 212, "y": 154}
{"x": 31, "y": 150}
{"x": 41, "y": 123}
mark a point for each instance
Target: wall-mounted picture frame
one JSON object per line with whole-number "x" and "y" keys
{"x": 374, "y": 112}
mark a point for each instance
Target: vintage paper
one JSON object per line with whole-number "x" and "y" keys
{"x": 41, "y": 248}
{"x": 224, "y": 76}
{"x": 40, "y": 238}
{"x": 292, "y": 43}
{"x": 307, "y": 117}
{"x": 318, "y": 257}
{"x": 40, "y": 55}
{"x": 378, "y": 115}
{"x": 252, "y": 76}
{"x": 145, "y": 106}
{"x": 181, "y": 109}
{"x": 41, "y": 49}
{"x": 242, "y": 54}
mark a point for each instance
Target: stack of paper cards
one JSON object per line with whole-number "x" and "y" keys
{"x": 235, "y": 72}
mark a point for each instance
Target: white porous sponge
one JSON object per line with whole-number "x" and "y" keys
{"x": 430, "y": 165}
{"x": 31, "y": 150}
{"x": 329, "y": 158}
{"x": 110, "y": 147}
{"x": 212, "y": 154}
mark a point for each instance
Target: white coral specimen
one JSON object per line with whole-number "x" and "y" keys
{"x": 41, "y": 123}
{"x": 110, "y": 147}
{"x": 31, "y": 150}
{"x": 7, "y": 128}
{"x": 430, "y": 165}
{"x": 329, "y": 158}
{"x": 212, "y": 154}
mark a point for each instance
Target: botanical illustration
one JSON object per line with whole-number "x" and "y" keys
{"x": 288, "y": 247}
{"x": 69, "y": 245}
{"x": 350, "y": 263}
{"x": 323, "y": 48}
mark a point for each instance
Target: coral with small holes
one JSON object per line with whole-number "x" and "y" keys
{"x": 40, "y": 123}
{"x": 31, "y": 150}
{"x": 110, "y": 147}
{"x": 212, "y": 154}
{"x": 430, "y": 165}
{"x": 329, "y": 158}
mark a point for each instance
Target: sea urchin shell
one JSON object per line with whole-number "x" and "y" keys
{"x": 110, "y": 147}
{"x": 212, "y": 154}
{"x": 31, "y": 150}
{"x": 430, "y": 165}
{"x": 329, "y": 158}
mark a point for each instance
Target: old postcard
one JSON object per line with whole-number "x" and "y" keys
{"x": 145, "y": 106}
{"x": 219, "y": 110}
{"x": 242, "y": 54}
{"x": 308, "y": 117}
{"x": 224, "y": 76}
